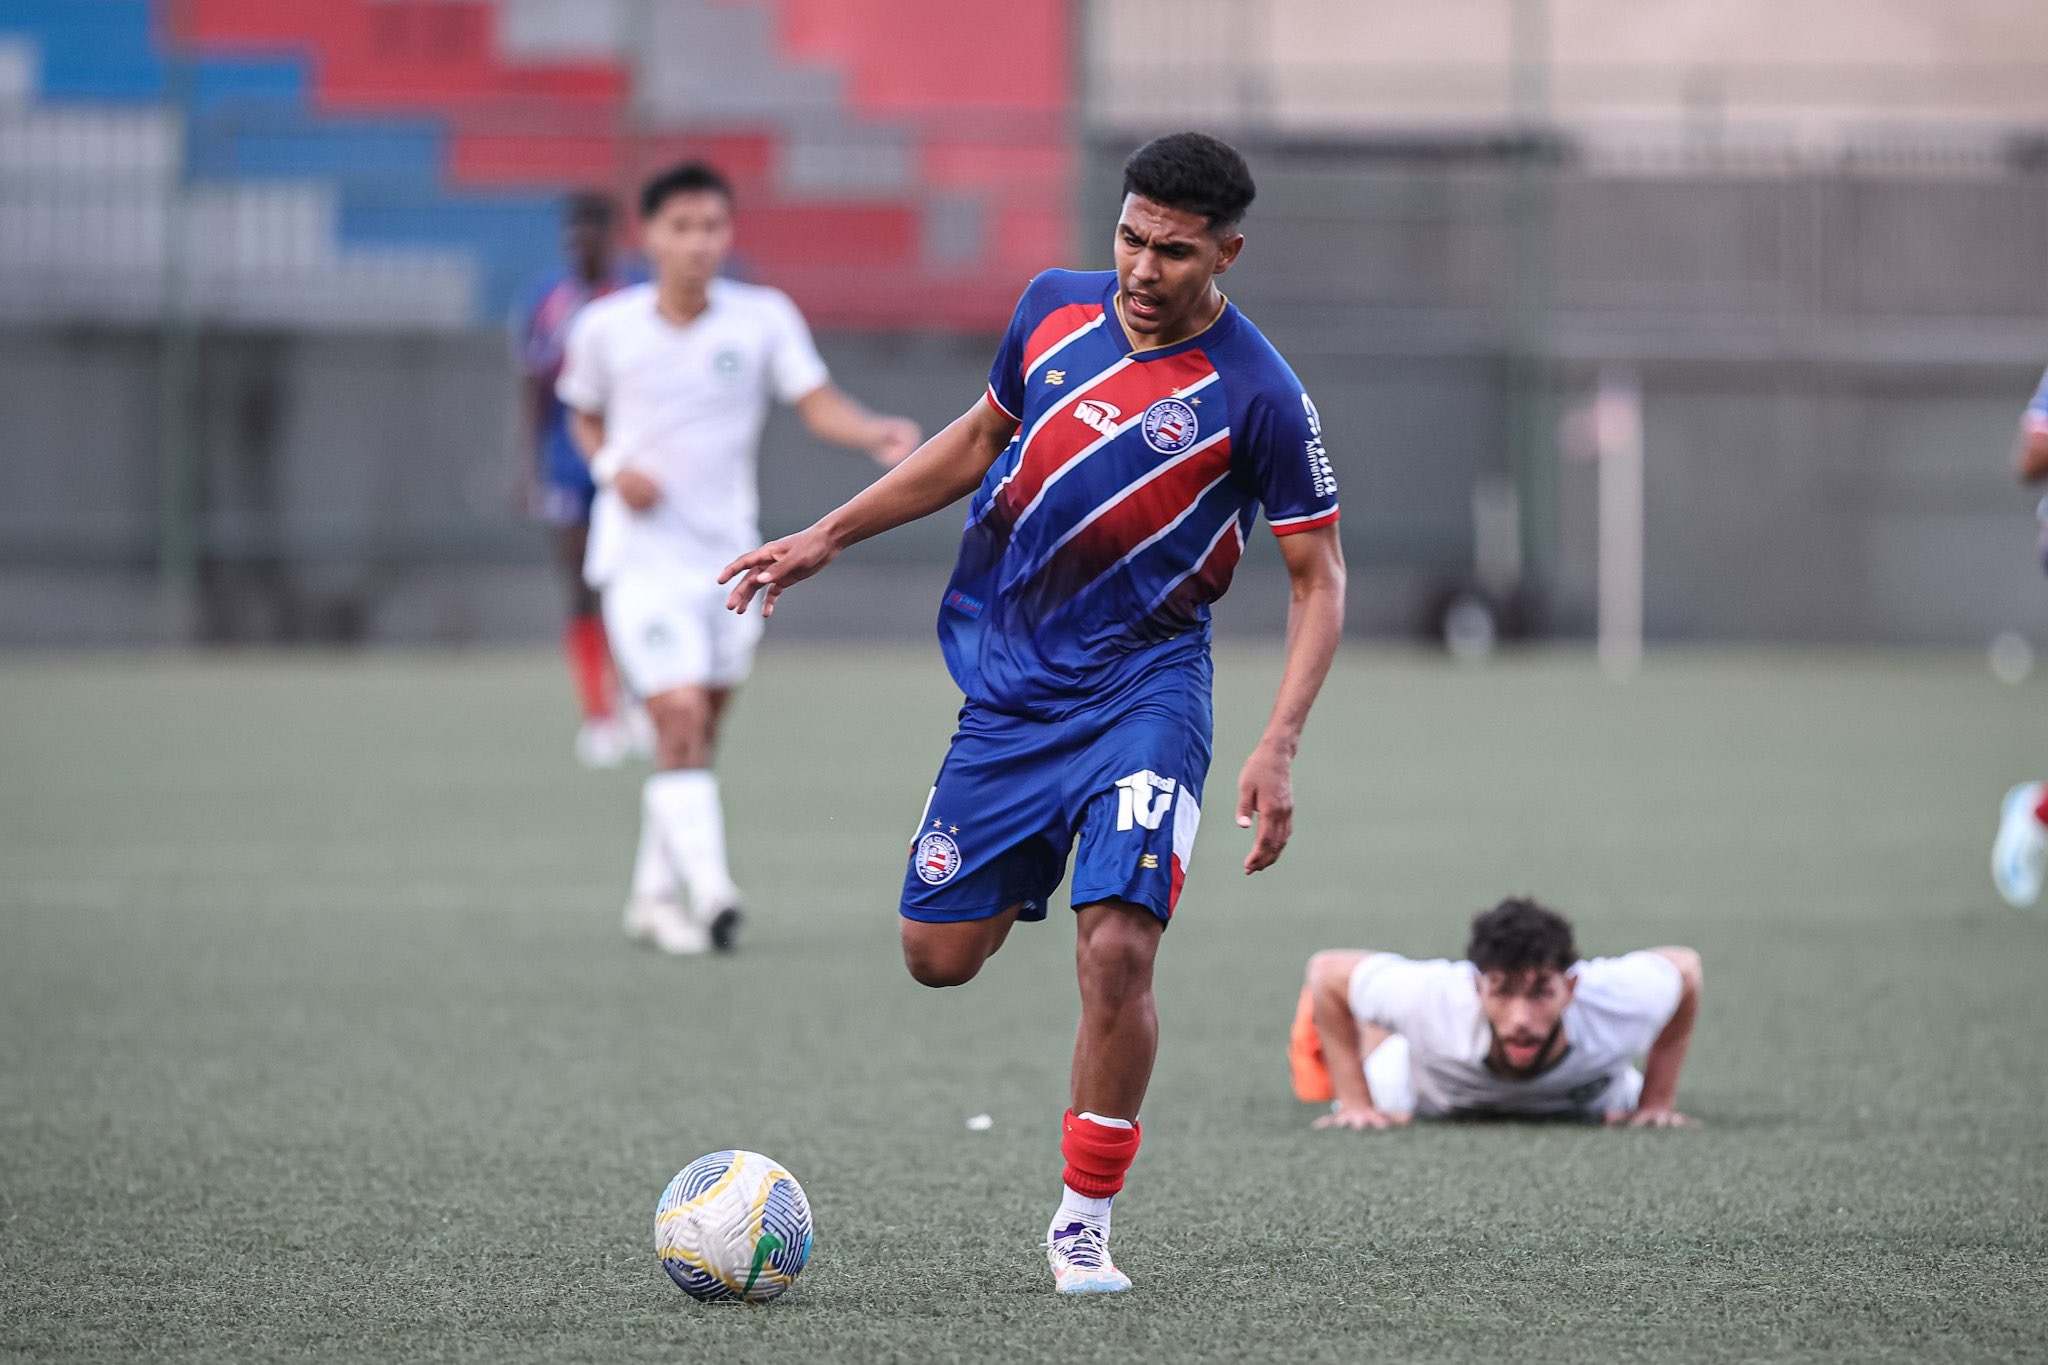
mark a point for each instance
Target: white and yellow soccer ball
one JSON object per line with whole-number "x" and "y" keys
{"x": 733, "y": 1227}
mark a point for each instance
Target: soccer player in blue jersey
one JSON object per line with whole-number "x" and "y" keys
{"x": 1135, "y": 425}
{"x": 2019, "y": 855}
{"x": 561, "y": 490}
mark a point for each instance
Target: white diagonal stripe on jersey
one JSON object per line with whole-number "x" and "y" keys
{"x": 1200, "y": 560}
{"x": 1083, "y": 330}
{"x": 1133, "y": 486}
{"x": 1024, "y": 446}
{"x": 1085, "y": 451}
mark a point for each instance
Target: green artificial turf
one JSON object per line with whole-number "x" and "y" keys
{"x": 318, "y": 1037}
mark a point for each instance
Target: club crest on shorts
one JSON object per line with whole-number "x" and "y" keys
{"x": 1170, "y": 426}
{"x": 937, "y": 858}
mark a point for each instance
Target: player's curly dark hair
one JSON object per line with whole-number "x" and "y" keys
{"x": 692, "y": 177}
{"x": 1521, "y": 935}
{"x": 1194, "y": 173}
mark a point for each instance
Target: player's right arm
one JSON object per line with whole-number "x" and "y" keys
{"x": 585, "y": 388}
{"x": 941, "y": 471}
{"x": 1329, "y": 985}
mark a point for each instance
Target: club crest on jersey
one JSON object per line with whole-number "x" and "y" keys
{"x": 937, "y": 859}
{"x": 1170, "y": 426}
{"x": 1101, "y": 416}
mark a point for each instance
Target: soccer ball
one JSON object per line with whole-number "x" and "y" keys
{"x": 733, "y": 1226}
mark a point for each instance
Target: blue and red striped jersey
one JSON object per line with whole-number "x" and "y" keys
{"x": 1119, "y": 511}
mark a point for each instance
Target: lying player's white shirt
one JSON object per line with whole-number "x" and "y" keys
{"x": 684, "y": 405}
{"x": 1620, "y": 1006}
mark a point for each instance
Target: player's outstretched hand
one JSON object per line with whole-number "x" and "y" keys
{"x": 1350, "y": 1116}
{"x": 1265, "y": 790}
{"x": 894, "y": 439}
{"x": 635, "y": 489}
{"x": 775, "y": 566}
{"x": 1659, "y": 1117}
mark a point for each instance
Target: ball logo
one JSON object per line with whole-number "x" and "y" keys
{"x": 937, "y": 859}
{"x": 1170, "y": 426}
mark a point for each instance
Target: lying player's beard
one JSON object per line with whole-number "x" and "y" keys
{"x": 1501, "y": 1065}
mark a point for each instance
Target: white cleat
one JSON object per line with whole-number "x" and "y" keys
{"x": 2020, "y": 852}
{"x": 604, "y": 743}
{"x": 1079, "y": 1255}
{"x": 665, "y": 926}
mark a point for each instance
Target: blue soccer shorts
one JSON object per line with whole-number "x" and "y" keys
{"x": 1015, "y": 796}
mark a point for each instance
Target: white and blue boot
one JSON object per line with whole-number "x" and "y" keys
{"x": 2020, "y": 852}
{"x": 1078, "y": 1250}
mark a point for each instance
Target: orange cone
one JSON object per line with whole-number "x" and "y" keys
{"x": 1305, "y": 1055}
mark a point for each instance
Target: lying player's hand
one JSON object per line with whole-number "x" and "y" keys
{"x": 895, "y": 438}
{"x": 635, "y": 489}
{"x": 1360, "y": 1116}
{"x": 1265, "y": 789}
{"x": 1661, "y": 1116}
{"x": 775, "y": 566}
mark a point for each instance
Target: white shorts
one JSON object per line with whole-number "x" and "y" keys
{"x": 1393, "y": 1088}
{"x": 666, "y": 632}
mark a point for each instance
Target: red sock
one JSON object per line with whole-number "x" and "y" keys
{"x": 2041, "y": 811}
{"x": 1097, "y": 1155}
{"x": 590, "y": 664}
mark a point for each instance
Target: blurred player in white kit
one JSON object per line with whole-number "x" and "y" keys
{"x": 668, "y": 385}
{"x": 2020, "y": 852}
{"x": 1522, "y": 1027}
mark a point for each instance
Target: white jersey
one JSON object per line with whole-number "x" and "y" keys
{"x": 1620, "y": 1006}
{"x": 684, "y": 405}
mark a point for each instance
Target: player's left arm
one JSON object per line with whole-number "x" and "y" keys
{"x": 832, "y": 414}
{"x": 1315, "y": 624}
{"x": 1657, "y": 1106}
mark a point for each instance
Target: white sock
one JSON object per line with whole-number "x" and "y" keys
{"x": 1079, "y": 1208}
{"x": 654, "y": 876}
{"x": 691, "y": 822}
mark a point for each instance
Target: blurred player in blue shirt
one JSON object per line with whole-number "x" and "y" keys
{"x": 2020, "y": 852}
{"x": 560, "y": 490}
{"x": 1135, "y": 426}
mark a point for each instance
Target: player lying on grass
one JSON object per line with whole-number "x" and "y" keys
{"x": 1521, "y": 1028}
{"x": 2020, "y": 852}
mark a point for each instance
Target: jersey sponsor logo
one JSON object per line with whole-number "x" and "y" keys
{"x": 1170, "y": 426}
{"x": 965, "y": 603}
{"x": 1055, "y": 378}
{"x": 727, "y": 364}
{"x": 1098, "y": 415}
{"x": 937, "y": 859}
{"x": 1315, "y": 419}
{"x": 1142, "y": 800}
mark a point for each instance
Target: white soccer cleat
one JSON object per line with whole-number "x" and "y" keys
{"x": 2020, "y": 852}
{"x": 1079, "y": 1255}
{"x": 603, "y": 743}
{"x": 666, "y": 927}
